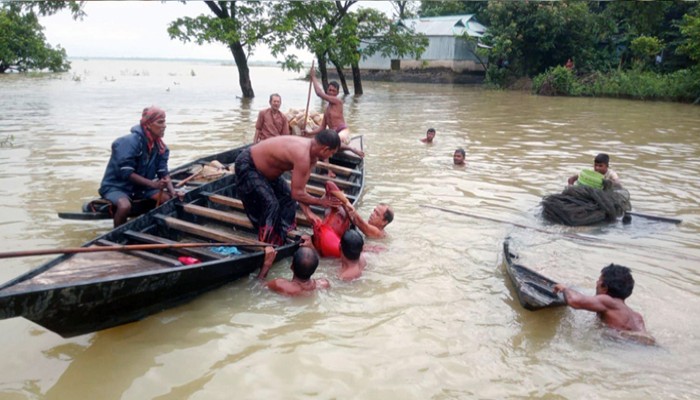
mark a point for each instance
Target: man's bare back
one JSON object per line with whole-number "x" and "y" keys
{"x": 297, "y": 288}
{"x": 274, "y": 156}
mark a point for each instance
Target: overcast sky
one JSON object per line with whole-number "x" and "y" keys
{"x": 139, "y": 29}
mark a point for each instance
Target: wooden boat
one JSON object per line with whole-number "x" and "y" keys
{"x": 81, "y": 293}
{"x": 534, "y": 290}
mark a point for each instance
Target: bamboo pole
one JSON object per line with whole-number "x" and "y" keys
{"x": 124, "y": 247}
{"x": 308, "y": 100}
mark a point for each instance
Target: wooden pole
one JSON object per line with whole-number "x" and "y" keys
{"x": 124, "y": 247}
{"x": 600, "y": 242}
{"x": 308, "y": 99}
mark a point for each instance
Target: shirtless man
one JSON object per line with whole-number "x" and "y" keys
{"x": 429, "y": 136}
{"x": 268, "y": 200}
{"x": 378, "y": 220}
{"x": 352, "y": 261}
{"x": 458, "y": 157}
{"x": 304, "y": 263}
{"x": 271, "y": 122}
{"x": 612, "y": 288}
{"x": 333, "y": 116}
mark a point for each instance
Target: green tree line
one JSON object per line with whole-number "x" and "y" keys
{"x": 639, "y": 49}
{"x": 636, "y": 49}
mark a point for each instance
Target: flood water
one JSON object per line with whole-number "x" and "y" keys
{"x": 434, "y": 315}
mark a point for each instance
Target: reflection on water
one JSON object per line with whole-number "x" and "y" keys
{"x": 434, "y": 315}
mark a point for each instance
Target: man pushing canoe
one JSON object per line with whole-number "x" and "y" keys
{"x": 269, "y": 201}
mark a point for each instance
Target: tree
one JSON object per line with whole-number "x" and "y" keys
{"x": 311, "y": 25}
{"x": 690, "y": 29}
{"x": 22, "y": 42}
{"x": 240, "y": 25}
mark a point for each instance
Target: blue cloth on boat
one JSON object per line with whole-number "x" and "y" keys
{"x": 225, "y": 250}
{"x": 130, "y": 155}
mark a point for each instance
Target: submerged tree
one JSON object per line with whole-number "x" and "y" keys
{"x": 240, "y": 25}
{"x": 23, "y": 45}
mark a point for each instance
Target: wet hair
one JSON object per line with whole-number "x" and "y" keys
{"x": 431, "y": 130}
{"x": 461, "y": 151}
{"x": 618, "y": 280}
{"x": 334, "y": 84}
{"x": 388, "y": 214}
{"x": 328, "y": 137}
{"x": 275, "y": 95}
{"x": 351, "y": 244}
{"x": 602, "y": 158}
{"x": 305, "y": 261}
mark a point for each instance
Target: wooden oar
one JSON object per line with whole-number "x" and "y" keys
{"x": 655, "y": 217}
{"x": 308, "y": 100}
{"x": 124, "y": 247}
{"x": 195, "y": 174}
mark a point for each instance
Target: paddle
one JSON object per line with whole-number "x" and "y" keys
{"x": 655, "y": 217}
{"x": 308, "y": 100}
{"x": 124, "y": 247}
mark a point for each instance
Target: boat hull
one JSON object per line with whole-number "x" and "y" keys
{"x": 534, "y": 290}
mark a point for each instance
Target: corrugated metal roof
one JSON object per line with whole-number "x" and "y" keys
{"x": 450, "y": 25}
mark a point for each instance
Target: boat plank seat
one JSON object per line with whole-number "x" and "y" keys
{"x": 206, "y": 232}
{"x": 338, "y": 169}
{"x": 230, "y": 217}
{"x": 342, "y": 183}
{"x": 145, "y": 254}
{"x": 147, "y": 238}
{"x": 238, "y": 204}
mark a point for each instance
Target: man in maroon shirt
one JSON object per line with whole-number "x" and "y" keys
{"x": 271, "y": 122}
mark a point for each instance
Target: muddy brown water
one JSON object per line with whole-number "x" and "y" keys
{"x": 434, "y": 315}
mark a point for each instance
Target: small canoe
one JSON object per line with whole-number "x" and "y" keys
{"x": 80, "y": 293}
{"x": 534, "y": 290}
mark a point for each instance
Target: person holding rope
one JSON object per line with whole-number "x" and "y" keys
{"x": 138, "y": 166}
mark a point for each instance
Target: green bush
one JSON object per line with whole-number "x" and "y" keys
{"x": 557, "y": 81}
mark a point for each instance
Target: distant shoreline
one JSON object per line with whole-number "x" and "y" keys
{"x": 201, "y": 60}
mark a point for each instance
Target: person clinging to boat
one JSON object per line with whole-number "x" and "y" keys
{"x": 373, "y": 228}
{"x": 601, "y": 165}
{"x": 429, "y": 136}
{"x": 614, "y": 285}
{"x": 333, "y": 117}
{"x": 304, "y": 264}
{"x": 138, "y": 166}
{"x": 270, "y": 203}
{"x": 458, "y": 158}
{"x": 271, "y": 122}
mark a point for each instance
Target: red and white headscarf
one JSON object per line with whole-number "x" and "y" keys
{"x": 148, "y": 116}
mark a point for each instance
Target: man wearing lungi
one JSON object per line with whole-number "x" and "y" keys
{"x": 269, "y": 201}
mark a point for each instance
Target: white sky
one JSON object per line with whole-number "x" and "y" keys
{"x": 139, "y": 29}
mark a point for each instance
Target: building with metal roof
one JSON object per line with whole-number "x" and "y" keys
{"x": 447, "y": 48}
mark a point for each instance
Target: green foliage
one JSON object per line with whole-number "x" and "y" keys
{"x": 682, "y": 85}
{"x": 557, "y": 81}
{"x": 23, "y": 45}
{"x": 453, "y": 7}
{"x": 645, "y": 48}
{"x": 690, "y": 29}
{"x": 534, "y": 36}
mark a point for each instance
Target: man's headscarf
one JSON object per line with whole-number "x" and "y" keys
{"x": 149, "y": 115}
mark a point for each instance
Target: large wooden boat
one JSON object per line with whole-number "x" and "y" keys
{"x": 534, "y": 290}
{"x": 81, "y": 293}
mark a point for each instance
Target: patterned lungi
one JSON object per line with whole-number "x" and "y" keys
{"x": 268, "y": 204}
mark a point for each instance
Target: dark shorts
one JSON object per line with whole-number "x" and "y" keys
{"x": 268, "y": 203}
